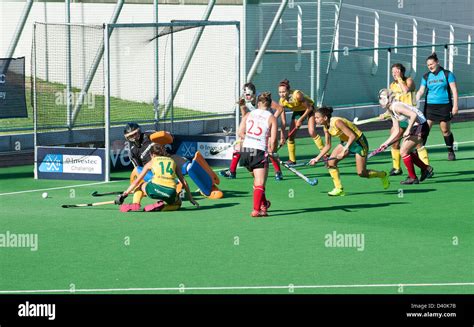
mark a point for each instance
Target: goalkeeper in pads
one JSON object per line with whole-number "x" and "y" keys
{"x": 162, "y": 186}
{"x": 198, "y": 169}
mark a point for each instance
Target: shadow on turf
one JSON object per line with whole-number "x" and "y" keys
{"x": 211, "y": 206}
{"x": 232, "y": 194}
{"x": 188, "y": 206}
{"x": 395, "y": 192}
{"x": 346, "y": 208}
{"x": 227, "y": 194}
{"x": 454, "y": 173}
{"x": 115, "y": 178}
{"x": 17, "y": 175}
{"x": 444, "y": 175}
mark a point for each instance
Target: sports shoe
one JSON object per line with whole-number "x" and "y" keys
{"x": 258, "y": 213}
{"x": 385, "y": 181}
{"x": 264, "y": 207}
{"x": 228, "y": 174}
{"x": 451, "y": 156}
{"x": 290, "y": 163}
{"x": 409, "y": 181}
{"x": 278, "y": 176}
{"x": 130, "y": 207}
{"x": 427, "y": 173}
{"x": 158, "y": 206}
{"x": 395, "y": 172}
{"x": 337, "y": 192}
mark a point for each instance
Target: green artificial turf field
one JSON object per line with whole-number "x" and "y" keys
{"x": 416, "y": 238}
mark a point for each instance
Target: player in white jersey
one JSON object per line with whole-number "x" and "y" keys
{"x": 248, "y": 103}
{"x": 416, "y": 133}
{"x": 259, "y": 132}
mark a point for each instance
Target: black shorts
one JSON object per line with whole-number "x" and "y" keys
{"x": 421, "y": 131}
{"x": 438, "y": 112}
{"x": 253, "y": 159}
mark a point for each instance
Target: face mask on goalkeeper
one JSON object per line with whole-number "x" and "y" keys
{"x": 248, "y": 94}
{"x": 133, "y": 136}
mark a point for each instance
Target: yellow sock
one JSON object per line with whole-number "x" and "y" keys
{"x": 423, "y": 154}
{"x": 292, "y": 150}
{"x": 334, "y": 172}
{"x": 376, "y": 173}
{"x": 319, "y": 142}
{"x": 396, "y": 158}
{"x": 137, "y": 196}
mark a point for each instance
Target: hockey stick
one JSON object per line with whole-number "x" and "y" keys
{"x": 217, "y": 150}
{"x": 310, "y": 181}
{"x": 306, "y": 163}
{"x": 356, "y": 120}
{"x": 293, "y": 131}
{"x": 96, "y": 193}
{"x": 379, "y": 150}
{"x": 87, "y": 204}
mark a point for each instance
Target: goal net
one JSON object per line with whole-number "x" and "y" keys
{"x": 89, "y": 80}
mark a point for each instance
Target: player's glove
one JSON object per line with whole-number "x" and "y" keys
{"x": 274, "y": 155}
{"x": 119, "y": 200}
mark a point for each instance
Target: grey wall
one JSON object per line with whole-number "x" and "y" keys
{"x": 454, "y": 11}
{"x": 355, "y": 78}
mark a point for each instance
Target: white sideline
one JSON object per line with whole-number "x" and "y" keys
{"x": 231, "y": 288}
{"x": 57, "y": 188}
{"x": 440, "y": 145}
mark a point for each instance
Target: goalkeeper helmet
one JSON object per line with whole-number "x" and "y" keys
{"x": 249, "y": 92}
{"x": 132, "y": 132}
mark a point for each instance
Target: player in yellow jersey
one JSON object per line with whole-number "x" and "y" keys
{"x": 162, "y": 186}
{"x": 302, "y": 107}
{"x": 352, "y": 141}
{"x": 403, "y": 89}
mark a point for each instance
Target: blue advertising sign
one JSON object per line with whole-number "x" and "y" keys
{"x": 70, "y": 163}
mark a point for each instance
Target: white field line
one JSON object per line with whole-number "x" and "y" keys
{"x": 58, "y": 188}
{"x": 231, "y": 288}
{"x": 440, "y": 145}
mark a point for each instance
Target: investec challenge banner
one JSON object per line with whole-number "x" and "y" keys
{"x": 71, "y": 163}
{"x": 184, "y": 146}
{"x": 187, "y": 146}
